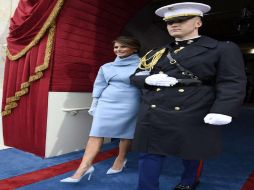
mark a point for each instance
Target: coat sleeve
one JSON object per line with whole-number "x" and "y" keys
{"x": 100, "y": 84}
{"x": 230, "y": 81}
{"x": 139, "y": 80}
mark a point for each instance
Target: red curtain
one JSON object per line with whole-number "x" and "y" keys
{"x": 25, "y": 127}
{"x": 83, "y": 41}
{"x": 84, "y": 35}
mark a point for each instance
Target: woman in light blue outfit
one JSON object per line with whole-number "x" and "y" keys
{"x": 116, "y": 110}
{"x": 114, "y": 107}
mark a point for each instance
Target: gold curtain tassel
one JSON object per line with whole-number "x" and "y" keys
{"x": 25, "y": 85}
{"x": 12, "y": 99}
{"x": 10, "y": 106}
{"x": 6, "y": 112}
{"x": 21, "y": 92}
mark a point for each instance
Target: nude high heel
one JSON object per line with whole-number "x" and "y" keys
{"x": 89, "y": 172}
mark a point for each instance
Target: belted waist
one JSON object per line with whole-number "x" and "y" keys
{"x": 193, "y": 82}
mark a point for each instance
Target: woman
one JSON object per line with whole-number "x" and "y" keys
{"x": 114, "y": 108}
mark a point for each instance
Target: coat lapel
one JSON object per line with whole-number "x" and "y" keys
{"x": 196, "y": 48}
{"x": 202, "y": 45}
{"x": 110, "y": 72}
{"x": 188, "y": 52}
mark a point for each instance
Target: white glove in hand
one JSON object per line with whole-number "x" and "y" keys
{"x": 142, "y": 73}
{"x": 93, "y": 106}
{"x": 161, "y": 80}
{"x": 217, "y": 119}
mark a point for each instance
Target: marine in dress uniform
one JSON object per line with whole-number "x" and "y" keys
{"x": 189, "y": 87}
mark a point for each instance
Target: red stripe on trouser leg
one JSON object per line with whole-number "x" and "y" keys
{"x": 249, "y": 184}
{"x": 200, "y": 169}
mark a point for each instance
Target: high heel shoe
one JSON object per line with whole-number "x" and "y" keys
{"x": 89, "y": 172}
{"x": 112, "y": 171}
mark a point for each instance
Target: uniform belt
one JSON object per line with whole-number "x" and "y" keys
{"x": 194, "y": 82}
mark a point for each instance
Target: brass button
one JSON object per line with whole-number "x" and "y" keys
{"x": 158, "y": 89}
{"x": 161, "y": 72}
{"x": 153, "y": 106}
{"x": 181, "y": 90}
{"x": 177, "y": 108}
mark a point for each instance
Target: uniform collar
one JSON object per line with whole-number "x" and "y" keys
{"x": 203, "y": 41}
{"x": 186, "y": 42}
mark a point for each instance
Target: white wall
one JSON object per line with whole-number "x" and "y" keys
{"x": 1, "y": 127}
{"x": 7, "y": 8}
{"x": 67, "y": 132}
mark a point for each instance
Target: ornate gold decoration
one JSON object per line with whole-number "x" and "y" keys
{"x": 179, "y": 49}
{"x": 143, "y": 65}
{"x": 11, "y": 102}
{"x": 49, "y": 22}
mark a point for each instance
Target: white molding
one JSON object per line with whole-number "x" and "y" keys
{"x": 75, "y": 111}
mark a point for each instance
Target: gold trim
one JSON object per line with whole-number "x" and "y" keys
{"x": 11, "y": 102}
{"x": 48, "y": 23}
{"x": 25, "y": 85}
{"x": 175, "y": 16}
{"x": 11, "y": 105}
{"x": 35, "y": 77}
{"x": 21, "y": 92}
{"x": 179, "y": 49}
{"x": 7, "y": 112}
{"x": 49, "y": 26}
{"x": 143, "y": 65}
{"x": 12, "y": 99}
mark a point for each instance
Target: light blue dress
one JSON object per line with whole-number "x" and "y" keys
{"x": 116, "y": 113}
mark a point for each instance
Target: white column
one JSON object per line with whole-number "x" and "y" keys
{"x": 6, "y": 10}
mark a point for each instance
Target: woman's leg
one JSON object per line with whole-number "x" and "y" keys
{"x": 124, "y": 147}
{"x": 92, "y": 149}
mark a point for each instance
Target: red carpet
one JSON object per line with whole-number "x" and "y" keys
{"x": 33, "y": 177}
{"x": 249, "y": 184}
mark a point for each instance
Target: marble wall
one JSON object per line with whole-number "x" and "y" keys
{"x": 7, "y": 7}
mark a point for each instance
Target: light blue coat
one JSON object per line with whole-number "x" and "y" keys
{"x": 116, "y": 112}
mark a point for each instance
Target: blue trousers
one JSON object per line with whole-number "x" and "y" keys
{"x": 150, "y": 166}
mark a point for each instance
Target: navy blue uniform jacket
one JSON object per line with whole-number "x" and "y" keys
{"x": 170, "y": 120}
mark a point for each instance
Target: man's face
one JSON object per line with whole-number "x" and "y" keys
{"x": 184, "y": 29}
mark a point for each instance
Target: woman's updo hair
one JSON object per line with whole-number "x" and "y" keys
{"x": 128, "y": 41}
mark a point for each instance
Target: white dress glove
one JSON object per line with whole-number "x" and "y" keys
{"x": 217, "y": 119}
{"x": 142, "y": 73}
{"x": 161, "y": 80}
{"x": 93, "y": 106}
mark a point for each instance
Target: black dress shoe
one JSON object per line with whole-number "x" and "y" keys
{"x": 186, "y": 187}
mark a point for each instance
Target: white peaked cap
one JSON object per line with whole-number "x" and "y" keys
{"x": 182, "y": 9}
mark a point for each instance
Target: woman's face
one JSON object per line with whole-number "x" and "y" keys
{"x": 122, "y": 50}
